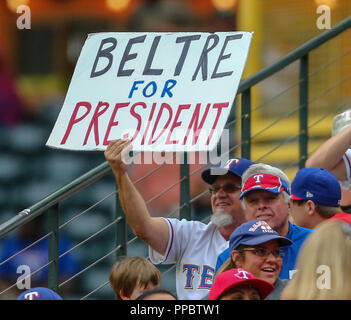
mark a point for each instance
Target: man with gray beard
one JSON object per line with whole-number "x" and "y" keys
{"x": 192, "y": 245}
{"x": 220, "y": 218}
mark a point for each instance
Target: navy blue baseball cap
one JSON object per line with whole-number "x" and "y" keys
{"x": 253, "y": 233}
{"x": 39, "y": 293}
{"x": 236, "y": 166}
{"x": 318, "y": 185}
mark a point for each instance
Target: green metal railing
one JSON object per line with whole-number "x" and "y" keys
{"x": 50, "y": 204}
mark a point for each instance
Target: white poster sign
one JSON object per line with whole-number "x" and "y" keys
{"x": 164, "y": 91}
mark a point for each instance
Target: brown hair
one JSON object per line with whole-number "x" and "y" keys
{"x": 324, "y": 211}
{"x": 126, "y": 274}
{"x": 148, "y": 293}
{"x": 229, "y": 263}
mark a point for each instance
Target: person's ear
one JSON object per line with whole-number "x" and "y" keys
{"x": 237, "y": 258}
{"x": 310, "y": 207}
{"x": 122, "y": 296}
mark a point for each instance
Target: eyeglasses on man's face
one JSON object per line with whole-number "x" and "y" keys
{"x": 264, "y": 253}
{"x": 227, "y": 188}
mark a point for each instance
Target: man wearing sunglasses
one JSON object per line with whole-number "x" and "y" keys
{"x": 192, "y": 245}
{"x": 225, "y": 186}
{"x": 265, "y": 195}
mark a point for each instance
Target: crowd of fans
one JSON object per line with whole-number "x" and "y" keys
{"x": 290, "y": 239}
{"x": 268, "y": 238}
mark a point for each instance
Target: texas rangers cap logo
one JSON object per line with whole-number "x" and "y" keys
{"x": 258, "y": 177}
{"x": 230, "y": 162}
{"x": 32, "y": 295}
{"x": 264, "y": 181}
{"x": 242, "y": 274}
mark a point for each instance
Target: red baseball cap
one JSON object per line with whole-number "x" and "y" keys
{"x": 264, "y": 181}
{"x": 236, "y": 278}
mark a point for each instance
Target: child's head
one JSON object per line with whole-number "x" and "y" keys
{"x": 157, "y": 294}
{"x": 131, "y": 276}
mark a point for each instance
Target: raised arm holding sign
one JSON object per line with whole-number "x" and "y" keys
{"x": 152, "y": 230}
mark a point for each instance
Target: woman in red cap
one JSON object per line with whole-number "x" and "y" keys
{"x": 239, "y": 284}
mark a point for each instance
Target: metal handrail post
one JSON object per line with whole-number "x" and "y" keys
{"x": 185, "y": 208}
{"x": 121, "y": 230}
{"x": 303, "y": 111}
{"x": 246, "y": 124}
{"x": 53, "y": 250}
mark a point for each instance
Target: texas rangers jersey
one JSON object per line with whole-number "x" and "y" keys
{"x": 347, "y": 160}
{"x": 193, "y": 246}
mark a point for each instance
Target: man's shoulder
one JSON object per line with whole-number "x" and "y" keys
{"x": 279, "y": 286}
{"x": 191, "y": 223}
{"x": 281, "y": 282}
{"x": 198, "y": 233}
{"x": 298, "y": 228}
{"x": 297, "y": 232}
{"x": 342, "y": 216}
{"x": 222, "y": 257}
{"x": 224, "y": 253}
